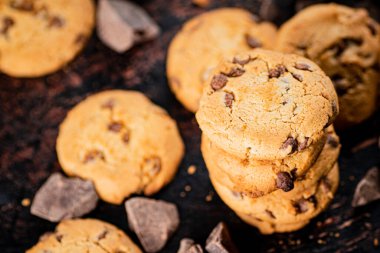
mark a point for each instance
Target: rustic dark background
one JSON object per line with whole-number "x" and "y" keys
{"x": 31, "y": 110}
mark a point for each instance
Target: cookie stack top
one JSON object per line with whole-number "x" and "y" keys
{"x": 266, "y": 105}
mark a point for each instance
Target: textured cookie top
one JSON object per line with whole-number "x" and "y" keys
{"x": 85, "y": 235}
{"x": 266, "y": 105}
{"x": 344, "y": 42}
{"x": 203, "y": 40}
{"x": 122, "y": 142}
{"x": 39, "y": 36}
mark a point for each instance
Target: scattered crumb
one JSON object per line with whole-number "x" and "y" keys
{"x": 25, "y": 202}
{"x": 187, "y": 188}
{"x": 368, "y": 225}
{"x": 320, "y": 241}
{"x": 298, "y": 242}
{"x": 351, "y": 178}
{"x": 336, "y": 235}
{"x": 280, "y": 242}
{"x": 182, "y": 194}
{"x": 191, "y": 170}
{"x": 209, "y": 196}
{"x": 201, "y": 3}
{"x": 346, "y": 224}
{"x": 311, "y": 237}
{"x": 376, "y": 242}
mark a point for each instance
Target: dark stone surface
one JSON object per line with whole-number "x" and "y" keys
{"x": 31, "y": 110}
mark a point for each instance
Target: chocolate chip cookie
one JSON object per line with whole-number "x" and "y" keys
{"x": 85, "y": 235}
{"x": 344, "y": 42}
{"x": 122, "y": 142}
{"x": 203, "y": 40}
{"x": 266, "y": 105}
{"x": 38, "y": 37}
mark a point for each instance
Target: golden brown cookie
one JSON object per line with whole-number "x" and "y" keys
{"x": 266, "y": 105}
{"x": 85, "y": 235}
{"x": 309, "y": 196}
{"x": 122, "y": 142}
{"x": 256, "y": 178}
{"x": 344, "y": 42}
{"x": 203, "y": 40}
{"x": 38, "y": 37}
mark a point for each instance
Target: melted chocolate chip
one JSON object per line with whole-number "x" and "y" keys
{"x": 270, "y": 214}
{"x": 242, "y": 62}
{"x": 8, "y": 22}
{"x": 252, "y": 42}
{"x": 103, "y": 234}
{"x": 22, "y": 5}
{"x": 277, "y": 71}
{"x": 218, "y": 81}
{"x": 293, "y": 172}
{"x": 303, "y": 144}
{"x": 284, "y": 181}
{"x": 301, "y": 206}
{"x": 303, "y": 66}
{"x": 290, "y": 142}
{"x": 56, "y": 22}
{"x": 92, "y": 155}
{"x": 126, "y": 137}
{"x": 297, "y": 77}
{"x": 115, "y": 127}
{"x": 235, "y": 72}
{"x": 228, "y": 99}
{"x": 332, "y": 141}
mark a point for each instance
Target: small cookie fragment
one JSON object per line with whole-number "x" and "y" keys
{"x": 122, "y": 24}
{"x": 368, "y": 189}
{"x": 154, "y": 221}
{"x": 220, "y": 240}
{"x": 63, "y": 198}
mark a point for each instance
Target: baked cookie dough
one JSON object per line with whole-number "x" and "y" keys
{"x": 122, "y": 142}
{"x": 310, "y": 195}
{"x": 344, "y": 42}
{"x": 256, "y": 178}
{"x": 85, "y": 235}
{"x": 266, "y": 105}
{"x": 203, "y": 40}
{"x": 38, "y": 37}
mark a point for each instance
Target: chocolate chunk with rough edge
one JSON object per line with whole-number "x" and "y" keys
{"x": 303, "y": 66}
{"x": 301, "y": 206}
{"x": 290, "y": 142}
{"x": 303, "y": 145}
{"x": 252, "y": 41}
{"x": 235, "y": 72}
{"x": 277, "y": 71}
{"x": 115, "y": 126}
{"x": 297, "y": 77}
{"x": 229, "y": 99}
{"x": 220, "y": 240}
{"x": 368, "y": 189}
{"x": 284, "y": 181}
{"x": 185, "y": 244}
{"x": 122, "y": 24}
{"x": 218, "y": 82}
{"x": 153, "y": 221}
{"x": 64, "y": 198}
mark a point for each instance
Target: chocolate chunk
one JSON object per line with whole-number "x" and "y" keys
{"x": 8, "y": 22}
{"x": 290, "y": 142}
{"x": 93, "y": 155}
{"x": 154, "y": 221}
{"x": 303, "y": 145}
{"x": 297, "y": 76}
{"x": 252, "y": 42}
{"x": 303, "y": 66}
{"x": 228, "y": 99}
{"x": 218, "y": 82}
{"x": 237, "y": 60}
{"x": 277, "y": 71}
{"x": 115, "y": 126}
{"x": 301, "y": 206}
{"x": 270, "y": 214}
{"x": 220, "y": 240}
{"x": 56, "y": 22}
{"x": 122, "y": 24}
{"x": 102, "y": 235}
{"x": 332, "y": 141}
{"x": 368, "y": 189}
{"x": 185, "y": 244}
{"x": 59, "y": 238}
{"x": 22, "y": 5}
{"x": 126, "y": 137}
{"x": 64, "y": 198}
{"x": 195, "y": 249}
{"x": 235, "y": 72}
{"x": 284, "y": 181}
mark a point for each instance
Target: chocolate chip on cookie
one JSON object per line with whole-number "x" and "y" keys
{"x": 297, "y": 76}
{"x": 220, "y": 240}
{"x": 235, "y": 72}
{"x": 22, "y": 5}
{"x": 93, "y": 155}
{"x": 241, "y": 61}
{"x": 290, "y": 142}
{"x": 229, "y": 99}
{"x": 303, "y": 145}
{"x": 115, "y": 126}
{"x": 252, "y": 41}
{"x": 284, "y": 181}
{"x": 270, "y": 214}
{"x": 56, "y": 22}
{"x": 218, "y": 82}
{"x": 277, "y": 71}
{"x": 302, "y": 66}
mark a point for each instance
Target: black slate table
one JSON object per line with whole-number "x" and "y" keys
{"x": 32, "y": 109}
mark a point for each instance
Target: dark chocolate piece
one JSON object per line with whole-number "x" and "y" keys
{"x": 284, "y": 181}
{"x": 220, "y": 240}
{"x": 64, "y": 198}
{"x": 153, "y": 221}
{"x": 368, "y": 189}
{"x": 185, "y": 244}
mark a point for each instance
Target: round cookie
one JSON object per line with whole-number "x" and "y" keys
{"x": 85, "y": 235}
{"x": 256, "y": 178}
{"x": 38, "y": 37}
{"x": 203, "y": 40}
{"x": 266, "y": 105}
{"x": 344, "y": 42}
{"x": 280, "y": 206}
{"x": 266, "y": 227}
{"x": 122, "y": 142}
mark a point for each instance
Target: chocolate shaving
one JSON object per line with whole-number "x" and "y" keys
{"x": 284, "y": 181}
{"x": 368, "y": 189}
{"x": 218, "y": 82}
{"x": 123, "y": 24}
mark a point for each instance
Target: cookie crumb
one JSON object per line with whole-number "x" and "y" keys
{"x": 201, "y": 3}
{"x": 191, "y": 170}
{"x": 337, "y": 235}
{"x": 209, "y": 196}
{"x": 182, "y": 194}
{"x": 25, "y": 202}
{"x": 187, "y": 188}
{"x": 376, "y": 242}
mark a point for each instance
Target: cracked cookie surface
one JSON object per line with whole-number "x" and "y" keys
{"x": 203, "y": 40}
{"x": 266, "y": 105}
{"x": 37, "y": 37}
{"x": 122, "y": 142}
{"x": 344, "y": 42}
{"x": 85, "y": 235}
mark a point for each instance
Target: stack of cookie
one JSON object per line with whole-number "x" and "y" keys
{"x": 267, "y": 139}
